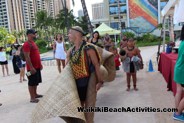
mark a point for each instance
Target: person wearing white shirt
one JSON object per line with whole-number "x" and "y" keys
{"x": 3, "y": 61}
{"x": 60, "y": 51}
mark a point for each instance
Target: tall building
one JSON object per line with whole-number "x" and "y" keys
{"x": 114, "y": 13}
{"x": 39, "y": 4}
{"x": 4, "y": 17}
{"x": 139, "y": 16}
{"x": 80, "y": 13}
{"x": 28, "y": 13}
{"x": 98, "y": 11}
{"x": 10, "y": 15}
{"x": 54, "y": 6}
{"x": 20, "y": 14}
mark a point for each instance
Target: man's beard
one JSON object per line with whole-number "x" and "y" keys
{"x": 34, "y": 38}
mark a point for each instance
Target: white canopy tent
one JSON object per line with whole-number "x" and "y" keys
{"x": 104, "y": 29}
{"x": 173, "y": 9}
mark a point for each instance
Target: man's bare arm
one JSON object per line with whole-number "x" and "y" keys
{"x": 139, "y": 54}
{"x": 94, "y": 59}
{"x": 68, "y": 56}
{"x": 54, "y": 46}
{"x": 28, "y": 61}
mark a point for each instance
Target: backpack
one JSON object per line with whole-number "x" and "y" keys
{"x": 22, "y": 56}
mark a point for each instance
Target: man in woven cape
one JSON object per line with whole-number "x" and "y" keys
{"x": 87, "y": 67}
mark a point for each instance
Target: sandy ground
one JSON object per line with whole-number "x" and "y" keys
{"x": 152, "y": 92}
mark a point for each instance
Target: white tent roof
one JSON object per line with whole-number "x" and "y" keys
{"x": 169, "y": 8}
{"x": 104, "y": 29}
{"x": 175, "y": 8}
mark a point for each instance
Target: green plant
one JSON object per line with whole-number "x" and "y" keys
{"x": 41, "y": 43}
{"x": 67, "y": 45}
{"x": 148, "y": 40}
{"x": 6, "y": 37}
{"x": 149, "y": 37}
{"x": 43, "y": 50}
{"x": 129, "y": 34}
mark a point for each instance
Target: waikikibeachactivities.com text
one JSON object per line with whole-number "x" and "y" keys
{"x": 127, "y": 109}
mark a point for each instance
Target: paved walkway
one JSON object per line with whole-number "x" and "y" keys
{"x": 152, "y": 93}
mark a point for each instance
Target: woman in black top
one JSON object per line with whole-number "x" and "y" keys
{"x": 96, "y": 39}
{"x": 14, "y": 49}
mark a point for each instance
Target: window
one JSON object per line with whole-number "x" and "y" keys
{"x": 162, "y": 5}
{"x": 113, "y": 10}
{"x": 123, "y": 9}
{"x": 123, "y": 25}
{"x": 114, "y": 25}
{"x": 122, "y": 1}
{"x": 112, "y": 1}
{"x": 181, "y": 24}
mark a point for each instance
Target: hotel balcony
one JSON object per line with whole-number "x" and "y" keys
{"x": 115, "y": 2}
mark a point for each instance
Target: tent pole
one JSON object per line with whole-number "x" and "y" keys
{"x": 119, "y": 16}
{"x": 164, "y": 34}
{"x": 115, "y": 40}
{"x": 171, "y": 28}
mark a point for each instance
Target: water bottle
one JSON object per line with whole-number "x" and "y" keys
{"x": 28, "y": 74}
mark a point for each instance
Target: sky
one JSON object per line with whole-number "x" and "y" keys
{"x": 78, "y": 6}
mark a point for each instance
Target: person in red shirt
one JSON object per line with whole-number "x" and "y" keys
{"x": 33, "y": 65}
{"x": 114, "y": 50}
{"x": 123, "y": 43}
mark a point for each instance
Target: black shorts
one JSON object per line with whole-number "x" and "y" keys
{"x": 132, "y": 69}
{"x": 82, "y": 86}
{"x": 35, "y": 79}
{"x": 182, "y": 85}
{"x": 4, "y": 62}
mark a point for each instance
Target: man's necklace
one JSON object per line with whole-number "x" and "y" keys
{"x": 130, "y": 49}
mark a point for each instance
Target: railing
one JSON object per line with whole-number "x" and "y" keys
{"x": 115, "y": 1}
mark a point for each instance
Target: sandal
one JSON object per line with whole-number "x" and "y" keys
{"x": 136, "y": 89}
{"x": 39, "y": 96}
{"x": 34, "y": 101}
{"x": 128, "y": 89}
{"x": 24, "y": 80}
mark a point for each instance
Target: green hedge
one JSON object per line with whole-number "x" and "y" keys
{"x": 41, "y": 43}
{"x": 129, "y": 34}
{"x": 147, "y": 39}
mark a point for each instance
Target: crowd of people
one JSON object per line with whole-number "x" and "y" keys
{"x": 85, "y": 56}
{"x": 33, "y": 63}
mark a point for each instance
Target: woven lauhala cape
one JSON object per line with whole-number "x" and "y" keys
{"x": 62, "y": 100}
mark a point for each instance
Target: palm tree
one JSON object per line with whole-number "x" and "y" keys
{"x": 82, "y": 22}
{"x": 90, "y": 27}
{"x": 6, "y": 37}
{"x": 43, "y": 20}
{"x": 65, "y": 12}
{"x": 65, "y": 16}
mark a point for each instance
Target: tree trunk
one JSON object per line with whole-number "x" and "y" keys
{"x": 90, "y": 28}
{"x": 162, "y": 35}
{"x": 171, "y": 28}
{"x": 66, "y": 17}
